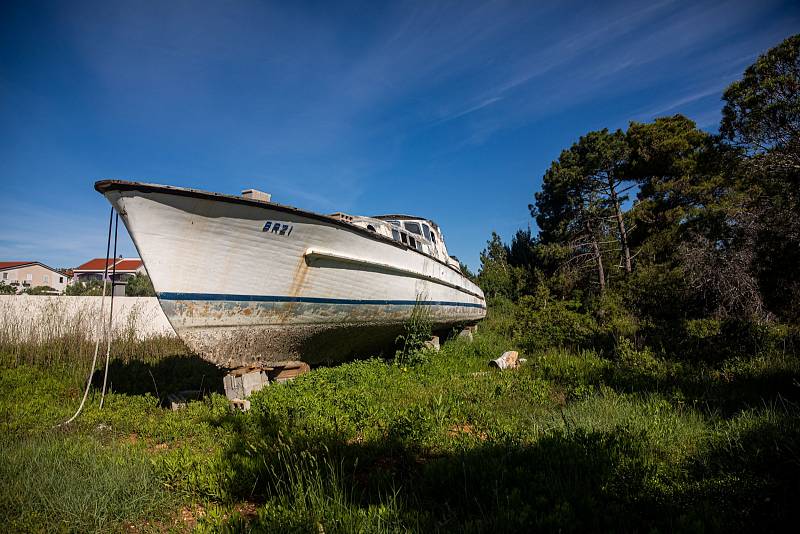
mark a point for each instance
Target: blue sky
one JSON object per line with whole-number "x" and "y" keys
{"x": 452, "y": 110}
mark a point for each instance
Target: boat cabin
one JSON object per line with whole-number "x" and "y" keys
{"x": 421, "y": 234}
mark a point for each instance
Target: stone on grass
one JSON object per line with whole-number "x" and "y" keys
{"x": 509, "y": 360}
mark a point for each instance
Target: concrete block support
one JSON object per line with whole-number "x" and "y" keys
{"x": 433, "y": 343}
{"x": 241, "y": 382}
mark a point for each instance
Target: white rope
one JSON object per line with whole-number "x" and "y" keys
{"x": 102, "y": 309}
{"x": 110, "y": 314}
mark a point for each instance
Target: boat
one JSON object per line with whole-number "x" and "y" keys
{"x": 246, "y": 281}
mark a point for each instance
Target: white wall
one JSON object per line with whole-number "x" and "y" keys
{"x": 36, "y": 317}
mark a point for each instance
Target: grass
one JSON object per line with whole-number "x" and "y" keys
{"x": 430, "y": 441}
{"x": 76, "y": 483}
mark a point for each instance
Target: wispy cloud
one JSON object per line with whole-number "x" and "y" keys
{"x": 486, "y": 102}
{"x": 714, "y": 90}
{"x": 587, "y": 35}
{"x": 720, "y": 72}
{"x": 466, "y": 59}
{"x": 619, "y": 55}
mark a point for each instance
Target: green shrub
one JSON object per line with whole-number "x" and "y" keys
{"x": 7, "y": 289}
{"x": 88, "y": 288}
{"x": 139, "y": 285}
{"x": 717, "y": 340}
{"x": 637, "y": 369}
{"x": 39, "y": 290}
{"x": 555, "y": 323}
{"x": 615, "y": 320}
{"x": 501, "y": 316}
{"x": 698, "y": 329}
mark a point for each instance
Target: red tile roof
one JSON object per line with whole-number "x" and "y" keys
{"x": 97, "y": 264}
{"x": 122, "y": 264}
{"x": 128, "y": 265}
{"x": 11, "y": 264}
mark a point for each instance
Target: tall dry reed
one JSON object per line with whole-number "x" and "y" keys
{"x": 61, "y": 331}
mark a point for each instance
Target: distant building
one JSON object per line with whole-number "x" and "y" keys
{"x": 122, "y": 268}
{"x": 26, "y": 274}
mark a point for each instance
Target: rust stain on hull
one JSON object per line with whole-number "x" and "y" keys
{"x": 299, "y": 277}
{"x": 301, "y": 272}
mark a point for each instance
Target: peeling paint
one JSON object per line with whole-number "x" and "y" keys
{"x": 252, "y": 333}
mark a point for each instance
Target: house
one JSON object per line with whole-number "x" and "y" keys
{"x": 27, "y": 274}
{"x": 122, "y": 269}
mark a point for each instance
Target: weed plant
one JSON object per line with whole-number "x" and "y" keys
{"x": 417, "y": 330}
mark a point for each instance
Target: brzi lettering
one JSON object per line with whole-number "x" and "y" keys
{"x": 277, "y": 227}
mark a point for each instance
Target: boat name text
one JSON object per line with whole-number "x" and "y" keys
{"x": 278, "y": 227}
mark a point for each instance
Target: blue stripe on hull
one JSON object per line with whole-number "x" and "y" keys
{"x": 313, "y": 300}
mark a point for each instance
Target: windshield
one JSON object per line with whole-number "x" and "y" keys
{"x": 427, "y": 232}
{"x": 413, "y": 227}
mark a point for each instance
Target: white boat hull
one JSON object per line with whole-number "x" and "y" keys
{"x": 316, "y": 290}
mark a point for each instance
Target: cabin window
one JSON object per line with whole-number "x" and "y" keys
{"x": 404, "y": 237}
{"x": 433, "y": 237}
{"x": 413, "y": 228}
{"x": 370, "y": 228}
{"x": 412, "y": 242}
{"x": 394, "y": 223}
{"x": 426, "y": 232}
{"x": 395, "y": 234}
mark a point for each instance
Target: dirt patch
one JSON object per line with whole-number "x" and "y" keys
{"x": 558, "y": 396}
{"x": 466, "y": 428}
{"x": 190, "y": 515}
